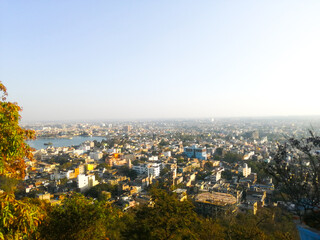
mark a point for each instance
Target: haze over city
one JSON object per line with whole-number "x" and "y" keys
{"x": 144, "y": 59}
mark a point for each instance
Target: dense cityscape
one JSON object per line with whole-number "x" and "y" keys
{"x": 212, "y": 178}
{"x": 219, "y": 164}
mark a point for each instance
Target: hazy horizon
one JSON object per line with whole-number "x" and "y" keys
{"x": 306, "y": 118}
{"x": 67, "y": 61}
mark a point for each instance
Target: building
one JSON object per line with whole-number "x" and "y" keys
{"x": 211, "y": 204}
{"x": 196, "y": 152}
{"x": 82, "y": 181}
{"x": 151, "y": 169}
{"x": 154, "y": 169}
{"x": 215, "y": 175}
{"x": 246, "y": 171}
{"x": 85, "y": 182}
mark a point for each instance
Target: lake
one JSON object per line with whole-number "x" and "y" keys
{"x": 61, "y": 142}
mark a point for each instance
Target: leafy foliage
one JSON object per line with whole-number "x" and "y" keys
{"x": 126, "y": 171}
{"x": 296, "y": 170}
{"x": 232, "y": 157}
{"x": 81, "y": 218}
{"x": 13, "y": 149}
{"x": 267, "y": 224}
{"x": 98, "y": 191}
{"x": 163, "y": 143}
{"x": 19, "y": 218}
{"x": 167, "y": 219}
{"x": 259, "y": 168}
{"x": 227, "y": 174}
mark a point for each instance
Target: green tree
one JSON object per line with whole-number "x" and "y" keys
{"x": 126, "y": 171}
{"x": 219, "y": 151}
{"x": 211, "y": 229}
{"x": 232, "y": 157}
{"x": 227, "y": 174}
{"x": 168, "y": 218}
{"x": 259, "y": 168}
{"x": 19, "y": 218}
{"x": 13, "y": 149}
{"x": 272, "y": 224}
{"x": 81, "y": 218}
{"x": 98, "y": 191}
{"x": 163, "y": 143}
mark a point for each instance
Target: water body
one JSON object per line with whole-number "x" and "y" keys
{"x": 61, "y": 142}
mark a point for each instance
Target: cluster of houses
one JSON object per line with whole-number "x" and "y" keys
{"x": 190, "y": 169}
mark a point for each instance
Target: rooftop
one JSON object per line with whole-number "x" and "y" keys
{"x": 216, "y": 198}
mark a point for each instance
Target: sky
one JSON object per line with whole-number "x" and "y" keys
{"x": 94, "y": 60}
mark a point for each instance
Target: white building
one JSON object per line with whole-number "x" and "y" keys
{"x": 85, "y": 182}
{"x": 246, "y": 171}
{"x": 154, "y": 169}
{"x": 151, "y": 169}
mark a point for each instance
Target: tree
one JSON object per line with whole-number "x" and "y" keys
{"x": 219, "y": 151}
{"x": 271, "y": 224}
{"x": 227, "y": 174}
{"x": 211, "y": 229}
{"x": 99, "y": 190}
{"x": 296, "y": 171}
{"x": 13, "y": 149}
{"x": 126, "y": 171}
{"x": 79, "y": 218}
{"x": 232, "y": 157}
{"x": 167, "y": 219}
{"x": 259, "y": 168}
{"x": 19, "y": 218}
{"x": 163, "y": 143}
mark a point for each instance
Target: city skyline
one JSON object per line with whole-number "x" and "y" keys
{"x": 75, "y": 60}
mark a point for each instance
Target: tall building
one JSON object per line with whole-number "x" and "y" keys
{"x": 246, "y": 171}
{"x": 85, "y": 182}
{"x": 196, "y": 152}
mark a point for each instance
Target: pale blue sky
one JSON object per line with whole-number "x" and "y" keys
{"x": 73, "y": 60}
